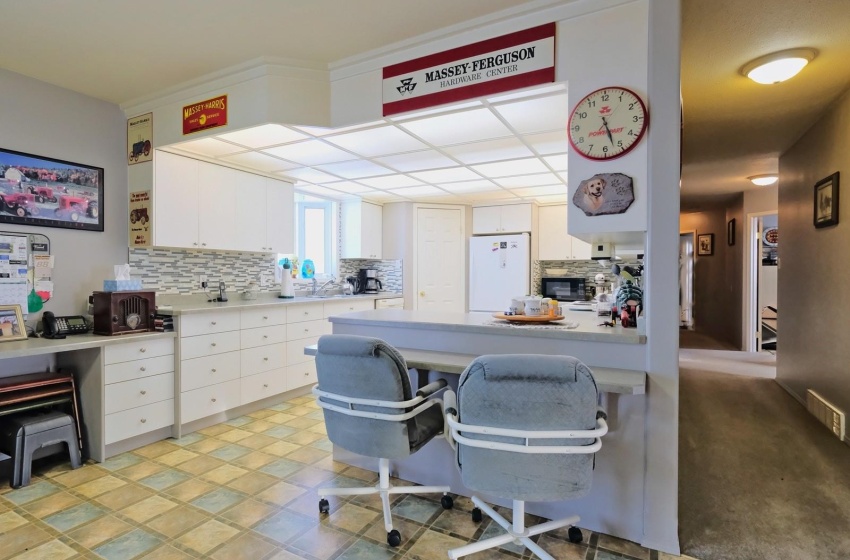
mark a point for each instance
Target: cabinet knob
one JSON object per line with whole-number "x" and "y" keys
{"x": 144, "y": 420}
{"x": 195, "y": 244}
{"x": 306, "y": 313}
{"x": 265, "y": 318}
{"x": 143, "y": 350}
{"x": 265, "y": 336}
{"x": 213, "y": 399}
{"x": 213, "y": 323}
{"x": 265, "y": 359}
{"x": 421, "y": 294}
{"x": 143, "y": 392}
{"x": 306, "y": 373}
{"x": 213, "y": 370}
{"x": 306, "y": 330}
{"x": 213, "y": 344}
{"x": 203, "y": 244}
{"x": 143, "y": 368}
{"x": 265, "y": 385}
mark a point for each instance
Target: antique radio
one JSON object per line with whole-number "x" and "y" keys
{"x": 123, "y": 312}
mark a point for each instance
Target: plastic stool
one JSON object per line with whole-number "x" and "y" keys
{"x": 24, "y": 435}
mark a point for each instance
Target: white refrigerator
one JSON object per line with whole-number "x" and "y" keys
{"x": 498, "y": 270}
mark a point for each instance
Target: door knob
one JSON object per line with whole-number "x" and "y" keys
{"x": 421, "y": 294}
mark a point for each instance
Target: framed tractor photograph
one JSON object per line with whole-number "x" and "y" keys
{"x": 42, "y": 191}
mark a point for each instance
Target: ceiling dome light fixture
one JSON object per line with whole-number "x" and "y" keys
{"x": 779, "y": 66}
{"x": 764, "y": 180}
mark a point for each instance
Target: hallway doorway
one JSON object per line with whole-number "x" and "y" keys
{"x": 686, "y": 280}
{"x": 762, "y": 311}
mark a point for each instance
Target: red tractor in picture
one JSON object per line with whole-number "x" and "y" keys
{"x": 19, "y": 204}
{"x": 139, "y": 215}
{"x": 139, "y": 148}
{"x": 73, "y": 207}
{"x": 43, "y": 194}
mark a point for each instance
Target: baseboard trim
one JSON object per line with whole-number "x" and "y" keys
{"x": 802, "y": 402}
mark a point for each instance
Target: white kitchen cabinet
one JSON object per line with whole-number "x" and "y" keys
{"x": 280, "y": 216}
{"x": 175, "y": 201}
{"x": 555, "y": 244}
{"x": 264, "y": 210}
{"x": 389, "y": 303}
{"x": 508, "y": 218}
{"x": 217, "y": 206}
{"x": 362, "y": 230}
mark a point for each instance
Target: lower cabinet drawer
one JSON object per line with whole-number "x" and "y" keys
{"x": 137, "y": 349}
{"x": 208, "y": 400}
{"x": 209, "y": 370}
{"x": 263, "y": 358}
{"x": 208, "y": 344}
{"x": 304, "y": 329}
{"x": 139, "y": 392}
{"x": 295, "y": 350}
{"x": 300, "y": 375}
{"x": 262, "y": 385}
{"x": 125, "y": 371}
{"x": 136, "y": 421}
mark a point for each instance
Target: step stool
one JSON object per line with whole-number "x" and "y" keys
{"x": 22, "y": 436}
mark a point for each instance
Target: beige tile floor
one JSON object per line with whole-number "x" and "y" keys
{"x": 245, "y": 489}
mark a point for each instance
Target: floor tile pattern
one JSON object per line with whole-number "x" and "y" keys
{"x": 245, "y": 489}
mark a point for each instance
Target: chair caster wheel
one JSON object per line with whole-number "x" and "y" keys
{"x": 447, "y": 502}
{"x": 476, "y": 515}
{"x": 394, "y": 538}
{"x": 324, "y": 506}
{"x": 574, "y": 534}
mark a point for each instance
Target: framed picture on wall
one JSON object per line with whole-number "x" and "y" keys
{"x": 42, "y": 191}
{"x": 705, "y": 244}
{"x": 730, "y": 232}
{"x": 826, "y": 201}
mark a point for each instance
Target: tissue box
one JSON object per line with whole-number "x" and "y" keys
{"x": 122, "y": 285}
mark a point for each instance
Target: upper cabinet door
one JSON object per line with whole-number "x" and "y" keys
{"x": 362, "y": 230}
{"x": 516, "y": 218}
{"x": 280, "y": 211}
{"x": 175, "y": 219}
{"x": 372, "y": 220}
{"x": 581, "y": 249}
{"x": 217, "y": 206}
{"x": 486, "y": 219}
{"x": 251, "y": 213}
{"x": 554, "y": 243}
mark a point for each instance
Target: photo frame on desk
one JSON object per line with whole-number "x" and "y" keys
{"x": 12, "y": 325}
{"x": 43, "y": 191}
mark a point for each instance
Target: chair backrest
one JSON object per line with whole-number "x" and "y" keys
{"x": 527, "y": 392}
{"x": 367, "y": 368}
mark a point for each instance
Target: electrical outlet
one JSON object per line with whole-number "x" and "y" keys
{"x": 202, "y": 279}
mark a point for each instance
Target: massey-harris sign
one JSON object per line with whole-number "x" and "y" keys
{"x": 505, "y": 63}
{"x": 205, "y": 114}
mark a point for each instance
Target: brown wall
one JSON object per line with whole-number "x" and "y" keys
{"x": 717, "y": 278}
{"x": 813, "y": 299}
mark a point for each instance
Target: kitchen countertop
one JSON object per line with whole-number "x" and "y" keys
{"x": 197, "y": 303}
{"x": 40, "y": 346}
{"x": 586, "y": 325}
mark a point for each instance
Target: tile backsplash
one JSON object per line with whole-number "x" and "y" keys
{"x": 389, "y": 271}
{"x": 577, "y": 269}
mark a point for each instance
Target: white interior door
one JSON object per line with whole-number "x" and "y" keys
{"x": 440, "y": 261}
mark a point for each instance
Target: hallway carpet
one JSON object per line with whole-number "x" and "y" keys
{"x": 759, "y": 478}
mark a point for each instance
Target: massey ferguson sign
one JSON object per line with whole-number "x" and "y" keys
{"x": 505, "y": 63}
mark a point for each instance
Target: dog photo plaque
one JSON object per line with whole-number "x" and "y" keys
{"x": 605, "y": 193}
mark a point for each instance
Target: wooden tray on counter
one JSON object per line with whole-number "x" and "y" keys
{"x": 528, "y": 318}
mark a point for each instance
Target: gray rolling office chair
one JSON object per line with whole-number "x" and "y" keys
{"x": 364, "y": 391}
{"x": 525, "y": 428}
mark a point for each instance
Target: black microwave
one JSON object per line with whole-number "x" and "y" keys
{"x": 564, "y": 289}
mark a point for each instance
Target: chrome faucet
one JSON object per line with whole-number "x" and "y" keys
{"x": 317, "y": 290}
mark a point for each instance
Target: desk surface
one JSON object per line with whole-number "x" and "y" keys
{"x": 40, "y": 346}
{"x": 609, "y": 380}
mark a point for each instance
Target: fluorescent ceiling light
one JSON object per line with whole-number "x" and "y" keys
{"x": 310, "y": 152}
{"x": 511, "y": 167}
{"x": 557, "y": 162}
{"x": 262, "y": 136}
{"x": 535, "y": 180}
{"x": 491, "y": 150}
{"x": 764, "y": 180}
{"x": 527, "y": 93}
{"x": 541, "y": 191}
{"x": 260, "y": 162}
{"x": 537, "y": 115}
{"x": 437, "y": 111}
{"x": 457, "y": 128}
{"x": 391, "y": 182}
{"x": 348, "y": 187}
{"x": 355, "y": 169}
{"x": 210, "y": 147}
{"x": 470, "y": 186}
{"x": 417, "y": 161}
{"x": 453, "y": 175}
{"x": 779, "y": 66}
{"x": 377, "y": 141}
{"x": 424, "y": 190}
{"x": 310, "y": 175}
{"x": 546, "y": 143}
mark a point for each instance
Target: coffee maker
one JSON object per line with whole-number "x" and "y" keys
{"x": 369, "y": 283}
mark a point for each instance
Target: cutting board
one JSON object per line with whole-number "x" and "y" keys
{"x": 528, "y": 318}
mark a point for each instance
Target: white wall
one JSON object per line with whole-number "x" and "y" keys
{"x": 811, "y": 353}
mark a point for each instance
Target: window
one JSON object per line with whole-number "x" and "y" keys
{"x": 315, "y": 232}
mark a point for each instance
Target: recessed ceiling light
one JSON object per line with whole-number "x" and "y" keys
{"x": 779, "y": 66}
{"x": 764, "y": 180}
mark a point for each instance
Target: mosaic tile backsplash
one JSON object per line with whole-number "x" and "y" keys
{"x": 176, "y": 271}
{"x": 577, "y": 269}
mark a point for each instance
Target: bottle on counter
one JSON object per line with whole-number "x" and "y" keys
{"x": 287, "y": 290}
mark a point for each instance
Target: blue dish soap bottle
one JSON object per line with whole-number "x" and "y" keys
{"x": 307, "y": 269}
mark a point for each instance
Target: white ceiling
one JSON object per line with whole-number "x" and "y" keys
{"x": 733, "y": 128}
{"x": 507, "y": 148}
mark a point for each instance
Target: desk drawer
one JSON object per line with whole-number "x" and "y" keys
{"x": 251, "y": 338}
{"x": 348, "y": 306}
{"x": 206, "y": 401}
{"x": 263, "y": 358}
{"x": 300, "y": 375}
{"x": 307, "y": 329}
{"x": 208, "y": 370}
{"x": 137, "y": 349}
{"x": 136, "y": 421}
{"x": 262, "y": 385}
{"x": 136, "y": 369}
{"x": 208, "y": 323}
{"x": 208, "y": 345}
{"x": 263, "y": 317}
{"x": 295, "y": 350}
{"x": 305, "y": 312}
{"x": 139, "y": 392}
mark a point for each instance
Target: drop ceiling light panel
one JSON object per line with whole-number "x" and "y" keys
{"x": 470, "y": 186}
{"x": 557, "y": 162}
{"x": 547, "y": 143}
{"x": 310, "y": 175}
{"x": 310, "y": 152}
{"x": 541, "y": 191}
{"x": 458, "y": 128}
{"x": 436, "y": 111}
{"x": 380, "y": 141}
{"x": 552, "y": 199}
{"x": 512, "y": 167}
{"x": 348, "y": 187}
{"x": 557, "y": 88}
{"x": 391, "y": 182}
{"x": 324, "y": 131}
{"x": 317, "y": 190}
{"x": 536, "y": 115}
{"x": 492, "y": 195}
{"x": 382, "y": 196}
{"x": 452, "y": 175}
{"x": 355, "y": 169}
{"x": 209, "y": 147}
{"x": 536, "y": 180}
{"x": 260, "y": 162}
{"x": 263, "y": 136}
{"x": 490, "y": 150}
{"x": 424, "y": 190}
{"x": 417, "y": 161}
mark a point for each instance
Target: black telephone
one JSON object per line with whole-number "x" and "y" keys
{"x": 58, "y": 327}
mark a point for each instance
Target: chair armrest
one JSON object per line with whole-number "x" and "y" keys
{"x": 431, "y": 388}
{"x": 449, "y": 411}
